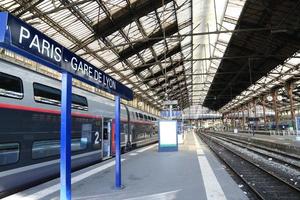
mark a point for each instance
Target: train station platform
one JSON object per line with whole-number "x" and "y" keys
{"x": 288, "y": 143}
{"x": 189, "y": 174}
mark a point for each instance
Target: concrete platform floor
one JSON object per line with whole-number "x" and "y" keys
{"x": 191, "y": 173}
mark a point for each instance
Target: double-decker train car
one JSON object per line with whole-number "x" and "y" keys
{"x": 30, "y": 127}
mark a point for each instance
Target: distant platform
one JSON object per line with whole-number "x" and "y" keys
{"x": 191, "y": 173}
{"x": 287, "y": 144}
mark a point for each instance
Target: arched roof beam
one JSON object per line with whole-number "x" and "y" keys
{"x": 165, "y": 70}
{"x": 169, "y": 78}
{"x": 152, "y": 62}
{"x": 126, "y": 15}
{"x": 154, "y": 38}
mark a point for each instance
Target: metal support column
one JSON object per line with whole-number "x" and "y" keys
{"x": 248, "y": 109}
{"x": 226, "y": 121}
{"x": 240, "y": 118}
{"x": 118, "y": 183}
{"x": 274, "y": 97}
{"x": 290, "y": 94}
{"x": 236, "y": 120}
{"x": 223, "y": 119}
{"x": 264, "y": 111}
{"x": 243, "y": 120}
{"x": 65, "y": 137}
{"x": 232, "y": 119}
{"x": 255, "y": 120}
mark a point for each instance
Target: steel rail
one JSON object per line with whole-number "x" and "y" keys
{"x": 267, "y": 180}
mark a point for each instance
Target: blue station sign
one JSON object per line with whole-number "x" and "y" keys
{"x": 17, "y": 36}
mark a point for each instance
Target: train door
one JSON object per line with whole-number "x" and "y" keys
{"x": 128, "y": 132}
{"x": 107, "y": 123}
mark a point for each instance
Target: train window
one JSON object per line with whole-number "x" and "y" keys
{"x": 50, "y": 95}
{"x": 137, "y": 115}
{"x": 79, "y": 102}
{"x": 9, "y": 153}
{"x": 42, "y": 149}
{"x": 46, "y": 94}
{"x": 140, "y": 116}
{"x": 11, "y": 86}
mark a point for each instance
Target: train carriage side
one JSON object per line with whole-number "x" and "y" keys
{"x": 135, "y": 131}
{"x": 30, "y": 127}
{"x": 143, "y": 128}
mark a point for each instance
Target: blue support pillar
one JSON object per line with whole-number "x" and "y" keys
{"x": 65, "y": 137}
{"x": 118, "y": 143}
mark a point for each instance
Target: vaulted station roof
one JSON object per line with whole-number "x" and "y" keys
{"x": 208, "y": 53}
{"x": 269, "y": 36}
{"x": 137, "y": 42}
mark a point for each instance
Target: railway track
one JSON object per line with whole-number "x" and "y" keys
{"x": 281, "y": 158}
{"x": 275, "y": 151}
{"x": 265, "y": 184}
{"x": 283, "y": 165}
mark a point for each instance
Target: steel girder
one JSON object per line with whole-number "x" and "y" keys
{"x": 154, "y": 38}
{"x": 126, "y": 15}
{"x": 162, "y": 72}
{"x": 153, "y": 61}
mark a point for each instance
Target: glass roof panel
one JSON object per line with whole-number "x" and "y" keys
{"x": 72, "y": 26}
{"x": 132, "y": 31}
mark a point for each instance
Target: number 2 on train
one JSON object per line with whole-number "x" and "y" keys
{"x": 97, "y": 137}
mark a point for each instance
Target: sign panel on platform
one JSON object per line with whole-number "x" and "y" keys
{"x": 168, "y": 139}
{"x": 21, "y": 38}
{"x": 166, "y": 113}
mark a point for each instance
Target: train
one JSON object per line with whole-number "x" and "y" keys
{"x": 30, "y": 127}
